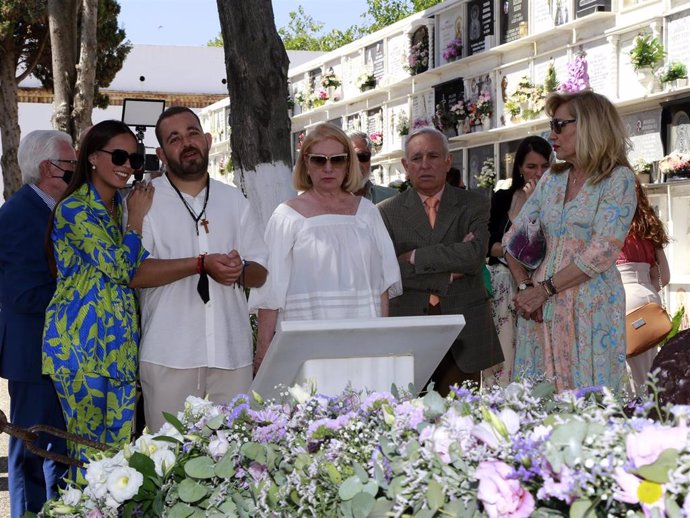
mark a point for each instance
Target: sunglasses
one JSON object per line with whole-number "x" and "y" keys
{"x": 120, "y": 156}
{"x": 557, "y": 124}
{"x": 322, "y": 160}
{"x": 364, "y": 157}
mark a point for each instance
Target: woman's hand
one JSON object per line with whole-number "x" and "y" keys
{"x": 529, "y": 302}
{"x": 138, "y": 204}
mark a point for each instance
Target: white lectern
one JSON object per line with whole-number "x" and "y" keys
{"x": 367, "y": 354}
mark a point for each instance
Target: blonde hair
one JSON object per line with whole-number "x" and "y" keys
{"x": 602, "y": 141}
{"x": 326, "y": 131}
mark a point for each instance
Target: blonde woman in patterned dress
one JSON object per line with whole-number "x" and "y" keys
{"x": 571, "y": 323}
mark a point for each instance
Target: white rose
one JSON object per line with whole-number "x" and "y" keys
{"x": 170, "y": 431}
{"x": 123, "y": 483}
{"x": 163, "y": 461}
{"x": 218, "y": 445}
{"x": 71, "y": 496}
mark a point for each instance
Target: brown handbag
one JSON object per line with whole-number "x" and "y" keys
{"x": 645, "y": 327}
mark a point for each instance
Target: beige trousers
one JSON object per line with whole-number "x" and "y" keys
{"x": 165, "y": 389}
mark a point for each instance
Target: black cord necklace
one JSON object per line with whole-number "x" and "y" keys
{"x": 192, "y": 213}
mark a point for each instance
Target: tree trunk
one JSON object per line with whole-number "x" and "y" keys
{"x": 86, "y": 70}
{"x": 62, "y": 20}
{"x": 9, "y": 119}
{"x": 256, "y": 66}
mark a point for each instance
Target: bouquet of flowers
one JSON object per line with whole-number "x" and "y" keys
{"x": 459, "y": 110}
{"x": 453, "y": 50}
{"x": 365, "y": 80}
{"x": 329, "y": 79}
{"x": 320, "y": 98}
{"x": 484, "y": 104}
{"x": 418, "y": 60}
{"x": 376, "y": 141}
{"x": 675, "y": 164}
{"x": 420, "y": 122}
{"x": 578, "y": 77}
{"x": 517, "y": 452}
{"x": 487, "y": 175}
{"x": 301, "y": 97}
{"x": 403, "y": 124}
{"x": 443, "y": 118}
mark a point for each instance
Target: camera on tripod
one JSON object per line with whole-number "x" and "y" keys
{"x": 142, "y": 114}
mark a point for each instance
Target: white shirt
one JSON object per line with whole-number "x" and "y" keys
{"x": 178, "y": 329}
{"x": 328, "y": 266}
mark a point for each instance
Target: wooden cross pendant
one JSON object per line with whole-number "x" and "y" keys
{"x": 204, "y": 223}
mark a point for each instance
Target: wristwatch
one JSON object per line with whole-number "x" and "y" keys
{"x": 525, "y": 284}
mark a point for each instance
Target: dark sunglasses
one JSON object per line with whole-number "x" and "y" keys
{"x": 557, "y": 124}
{"x": 364, "y": 157}
{"x": 120, "y": 156}
{"x": 67, "y": 174}
{"x": 322, "y": 160}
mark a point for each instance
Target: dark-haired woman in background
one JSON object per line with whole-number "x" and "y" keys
{"x": 532, "y": 159}
{"x": 644, "y": 271}
{"x": 91, "y": 332}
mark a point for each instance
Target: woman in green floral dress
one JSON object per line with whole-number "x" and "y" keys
{"x": 91, "y": 331}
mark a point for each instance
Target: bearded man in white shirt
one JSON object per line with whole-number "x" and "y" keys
{"x": 206, "y": 247}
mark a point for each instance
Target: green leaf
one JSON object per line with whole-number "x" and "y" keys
{"x": 360, "y": 472}
{"x": 362, "y": 504}
{"x": 173, "y": 420}
{"x": 434, "y": 495}
{"x": 180, "y": 510}
{"x": 332, "y": 472}
{"x": 200, "y": 467}
{"x": 434, "y": 405}
{"x": 672, "y": 508}
{"x": 659, "y": 470}
{"x": 424, "y": 513}
{"x": 350, "y": 488}
{"x": 545, "y": 512}
{"x": 190, "y": 491}
{"x": 460, "y": 509}
{"x": 254, "y": 451}
{"x": 216, "y": 422}
{"x": 143, "y": 464}
{"x": 381, "y": 509}
{"x": 225, "y": 467}
{"x": 582, "y": 508}
{"x": 371, "y": 487}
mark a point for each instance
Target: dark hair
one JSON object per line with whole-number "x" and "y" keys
{"x": 528, "y": 144}
{"x": 453, "y": 177}
{"x": 171, "y": 112}
{"x": 95, "y": 139}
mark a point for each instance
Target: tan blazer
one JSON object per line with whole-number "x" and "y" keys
{"x": 440, "y": 252}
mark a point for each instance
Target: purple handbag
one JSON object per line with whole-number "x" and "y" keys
{"x": 528, "y": 245}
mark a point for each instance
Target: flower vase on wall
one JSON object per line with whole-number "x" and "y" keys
{"x": 647, "y": 79}
{"x": 486, "y": 122}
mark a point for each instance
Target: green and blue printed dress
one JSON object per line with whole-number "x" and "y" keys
{"x": 91, "y": 335}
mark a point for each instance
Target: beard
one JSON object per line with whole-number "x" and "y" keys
{"x": 189, "y": 169}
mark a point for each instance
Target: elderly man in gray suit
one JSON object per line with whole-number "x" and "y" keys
{"x": 441, "y": 235}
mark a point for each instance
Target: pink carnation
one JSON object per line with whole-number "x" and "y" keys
{"x": 645, "y": 446}
{"x": 502, "y": 497}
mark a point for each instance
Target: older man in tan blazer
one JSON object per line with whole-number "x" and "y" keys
{"x": 441, "y": 235}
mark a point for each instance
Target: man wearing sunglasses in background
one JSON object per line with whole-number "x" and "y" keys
{"x": 46, "y": 159}
{"x": 372, "y": 192}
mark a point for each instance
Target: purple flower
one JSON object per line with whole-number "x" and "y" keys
{"x": 502, "y": 496}
{"x": 408, "y": 415}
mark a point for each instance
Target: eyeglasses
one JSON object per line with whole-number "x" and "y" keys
{"x": 364, "y": 157}
{"x": 557, "y": 124}
{"x": 120, "y": 156}
{"x": 322, "y": 160}
{"x": 67, "y": 174}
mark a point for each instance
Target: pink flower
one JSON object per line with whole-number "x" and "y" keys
{"x": 439, "y": 440}
{"x": 645, "y": 446}
{"x": 502, "y": 497}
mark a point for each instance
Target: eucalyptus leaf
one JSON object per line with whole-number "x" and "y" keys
{"x": 350, "y": 488}
{"x": 332, "y": 472}
{"x": 362, "y": 504}
{"x": 216, "y": 422}
{"x": 395, "y": 487}
{"x": 382, "y": 508}
{"x": 254, "y": 451}
{"x": 190, "y": 491}
{"x": 380, "y": 476}
{"x": 424, "y": 513}
{"x": 672, "y": 508}
{"x": 659, "y": 470}
{"x": 360, "y": 472}
{"x": 434, "y": 405}
{"x": 582, "y": 508}
{"x": 225, "y": 467}
{"x": 459, "y": 509}
{"x": 200, "y": 467}
{"x": 371, "y": 488}
{"x": 180, "y": 510}
{"x": 545, "y": 512}
{"x": 434, "y": 495}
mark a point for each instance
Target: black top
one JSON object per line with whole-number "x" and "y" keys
{"x": 499, "y": 222}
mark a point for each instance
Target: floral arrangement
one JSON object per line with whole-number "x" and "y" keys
{"x": 376, "y": 141}
{"x": 320, "y": 97}
{"x": 403, "y": 124}
{"x": 578, "y": 77}
{"x": 674, "y": 70}
{"x": 527, "y": 101}
{"x": 443, "y": 119}
{"x": 330, "y": 80}
{"x": 647, "y": 52}
{"x": 420, "y": 122}
{"x": 641, "y": 166}
{"x": 487, "y": 175}
{"x": 365, "y": 80}
{"x": 418, "y": 60}
{"x": 515, "y": 452}
{"x": 302, "y": 97}
{"x": 459, "y": 110}
{"x": 453, "y": 50}
{"x": 675, "y": 164}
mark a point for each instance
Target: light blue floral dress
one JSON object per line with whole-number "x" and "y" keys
{"x": 581, "y": 342}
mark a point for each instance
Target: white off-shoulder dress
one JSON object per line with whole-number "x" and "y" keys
{"x": 327, "y": 267}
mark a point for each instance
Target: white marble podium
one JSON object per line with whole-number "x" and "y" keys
{"x": 367, "y": 354}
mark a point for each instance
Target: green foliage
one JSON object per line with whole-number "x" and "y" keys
{"x": 674, "y": 70}
{"x": 647, "y": 52}
{"x": 550, "y": 81}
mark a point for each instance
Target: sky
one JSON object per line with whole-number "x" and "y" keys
{"x": 195, "y": 22}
